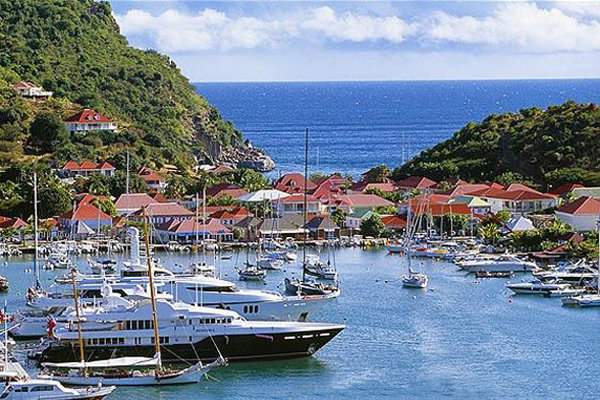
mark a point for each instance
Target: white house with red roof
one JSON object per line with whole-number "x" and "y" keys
{"x": 129, "y": 203}
{"x": 582, "y": 214}
{"x": 87, "y": 214}
{"x": 89, "y": 120}
{"x": 159, "y": 213}
{"x": 15, "y": 223}
{"x": 28, "y": 89}
{"x": 356, "y": 205}
{"x": 74, "y": 169}
{"x": 225, "y": 189}
{"x": 153, "y": 180}
{"x": 294, "y": 204}
{"x": 521, "y": 201}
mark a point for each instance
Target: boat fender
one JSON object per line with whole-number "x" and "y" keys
{"x": 226, "y": 340}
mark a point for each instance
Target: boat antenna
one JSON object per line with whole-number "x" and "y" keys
{"x": 79, "y": 334}
{"x": 36, "y": 271}
{"x": 305, "y": 205}
{"x": 152, "y": 293}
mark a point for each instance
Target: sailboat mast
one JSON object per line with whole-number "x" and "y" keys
{"x": 76, "y": 300}
{"x": 35, "y": 233}
{"x": 152, "y": 292}
{"x": 196, "y": 226}
{"x": 305, "y": 205}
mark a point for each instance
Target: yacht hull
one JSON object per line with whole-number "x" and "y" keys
{"x": 246, "y": 347}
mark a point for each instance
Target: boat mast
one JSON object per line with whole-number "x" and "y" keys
{"x": 5, "y": 335}
{"x": 305, "y": 205}
{"x": 152, "y": 293}
{"x": 76, "y": 300}
{"x": 35, "y": 233}
{"x": 196, "y": 226}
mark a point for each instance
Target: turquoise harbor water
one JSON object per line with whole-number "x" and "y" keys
{"x": 458, "y": 339}
{"x": 356, "y": 125}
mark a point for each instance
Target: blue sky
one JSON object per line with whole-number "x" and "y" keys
{"x": 368, "y": 40}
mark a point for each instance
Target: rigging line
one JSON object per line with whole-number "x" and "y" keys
{"x": 213, "y": 340}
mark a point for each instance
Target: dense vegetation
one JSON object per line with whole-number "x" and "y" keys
{"x": 73, "y": 48}
{"x": 546, "y": 147}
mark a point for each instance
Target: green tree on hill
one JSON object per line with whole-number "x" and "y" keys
{"x": 47, "y": 134}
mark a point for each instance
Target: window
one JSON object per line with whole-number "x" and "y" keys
{"x": 45, "y": 388}
{"x": 245, "y": 309}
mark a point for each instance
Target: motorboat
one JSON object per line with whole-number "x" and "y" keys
{"x": 567, "y": 292}
{"x": 45, "y": 389}
{"x": 536, "y": 287}
{"x": 3, "y": 284}
{"x": 582, "y": 300}
{"x": 505, "y": 263}
{"x": 490, "y": 274}
{"x": 574, "y": 273}
{"x": 187, "y": 334}
{"x": 308, "y": 287}
{"x": 202, "y": 269}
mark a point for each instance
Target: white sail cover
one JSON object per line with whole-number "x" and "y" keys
{"x": 121, "y": 362}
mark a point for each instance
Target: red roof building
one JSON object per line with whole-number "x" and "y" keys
{"x": 87, "y": 168}
{"x": 294, "y": 204}
{"x": 12, "y": 223}
{"x": 582, "y": 214}
{"x": 294, "y": 183}
{"x": 516, "y": 201}
{"x": 153, "y": 180}
{"x": 565, "y": 189}
{"x": 394, "y": 222}
{"x": 92, "y": 218}
{"x": 465, "y": 188}
{"x": 416, "y": 182}
{"x": 89, "y": 120}
{"x": 159, "y": 213}
{"x": 363, "y": 186}
{"x": 130, "y": 203}
{"x": 225, "y": 189}
{"x": 28, "y": 89}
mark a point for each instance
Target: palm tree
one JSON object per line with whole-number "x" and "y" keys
{"x": 489, "y": 233}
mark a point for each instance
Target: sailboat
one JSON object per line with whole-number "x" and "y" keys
{"x": 250, "y": 272}
{"x": 127, "y": 371}
{"x": 413, "y": 279}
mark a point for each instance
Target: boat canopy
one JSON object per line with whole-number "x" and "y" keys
{"x": 121, "y": 362}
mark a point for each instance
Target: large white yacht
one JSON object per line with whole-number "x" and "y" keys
{"x": 505, "y": 263}
{"x": 187, "y": 333}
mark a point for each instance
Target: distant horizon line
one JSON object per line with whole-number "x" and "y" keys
{"x": 400, "y": 80}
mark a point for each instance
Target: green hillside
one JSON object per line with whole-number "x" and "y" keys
{"x": 73, "y": 48}
{"x": 547, "y": 147}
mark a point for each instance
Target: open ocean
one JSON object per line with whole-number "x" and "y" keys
{"x": 356, "y": 125}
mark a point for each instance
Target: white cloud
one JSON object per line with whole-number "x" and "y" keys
{"x": 528, "y": 26}
{"x": 524, "y": 26}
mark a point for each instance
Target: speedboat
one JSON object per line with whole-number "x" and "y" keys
{"x": 187, "y": 333}
{"x": 45, "y": 389}
{"x": 536, "y": 287}
{"x": 202, "y": 269}
{"x": 582, "y": 300}
{"x": 506, "y": 263}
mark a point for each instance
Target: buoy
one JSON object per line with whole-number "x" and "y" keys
{"x": 414, "y": 297}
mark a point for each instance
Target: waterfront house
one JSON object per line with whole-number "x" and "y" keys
{"x": 226, "y": 218}
{"x": 73, "y": 169}
{"x": 290, "y": 225}
{"x": 184, "y": 231}
{"x": 153, "y": 180}
{"x": 158, "y": 213}
{"x": 77, "y": 221}
{"x": 225, "y": 189}
{"x": 28, "y": 89}
{"x": 416, "y": 182}
{"x": 89, "y": 121}
{"x": 582, "y": 214}
{"x": 322, "y": 227}
{"x": 294, "y": 183}
{"x": 523, "y": 201}
{"x": 248, "y": 227}
{"x": 130, "y": 203}
{"x": 294, "y": 204}
{"x": 476, "y": 205}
